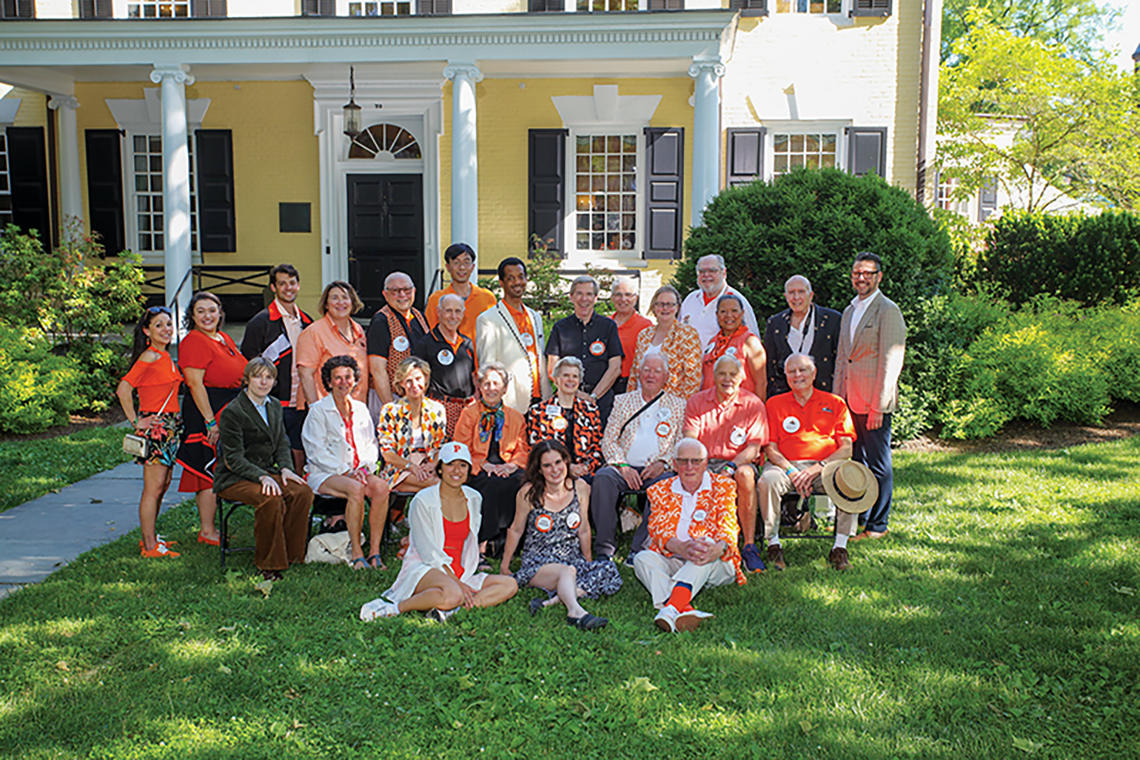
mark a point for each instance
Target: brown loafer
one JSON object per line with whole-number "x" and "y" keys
{"x": 776, "y": 557}
{"x": 837, "y": 558}
{"x": 869, "y": 534}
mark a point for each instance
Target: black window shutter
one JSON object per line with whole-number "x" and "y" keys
{"x": 745, "y": 156}
{"x": 546, "y": 6}
{"x": 664, "y": 186}
{"x": 546, "y": 185}
{"x": 435, "y": 7}
{"x": 95, "y": 9}
{"x": 871, "y": 8}
{"x": 987, "y": 200}
{"x": 666, "y": 5}
{"x": 217, "y": 230}
{"x": 27, "y": 174}
{"x": 318, "y": 7}
{"x": 867, "y": 150}
{"x": 749, "y": 7}
{"x": 105, "y": 187}
{"x": 17, "y": 9}
{"x": 208, "y": 8}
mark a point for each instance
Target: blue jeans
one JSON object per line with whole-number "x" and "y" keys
{"x": 873, "y": 448}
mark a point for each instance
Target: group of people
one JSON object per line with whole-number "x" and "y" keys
{"x": 507, "y": 437}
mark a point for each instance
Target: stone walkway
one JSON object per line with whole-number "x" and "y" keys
{"x": 41, "y": 536}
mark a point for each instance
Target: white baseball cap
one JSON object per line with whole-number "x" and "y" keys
{"x": 454, "y": 451}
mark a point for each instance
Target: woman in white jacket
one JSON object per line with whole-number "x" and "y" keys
{"x": 341, "y": 455}
{"x": 438, "y": 574}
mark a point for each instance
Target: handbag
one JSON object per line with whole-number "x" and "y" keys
{"x": 140, "y": 445}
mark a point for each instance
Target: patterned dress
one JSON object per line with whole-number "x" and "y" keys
{"x": 552, "y": 538}
{"x": 683, "y": 347}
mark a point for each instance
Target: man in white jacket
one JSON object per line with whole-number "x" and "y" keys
{"x": 699, "y": 307}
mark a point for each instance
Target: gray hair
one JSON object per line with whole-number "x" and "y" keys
{"x": 624, "y": 281}
{"x": 393, "y": 275}
{"x": 713, "y": 257}
{"x": 569, "y": 361}
{"x": 453, "y": 296}
{"x": 795, "y": 277}
{"x": 726, "y": 358}
{"x": 693, "y": 442}
{"x": 486, "y": 368}
{"x": 584, "y": 279}
{"x": 658, "y": 354}
{"x": 798, "y": 355}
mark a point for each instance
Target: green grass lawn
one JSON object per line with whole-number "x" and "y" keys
{"x": 999, "y": 620}
{"x": 35, "y": 466}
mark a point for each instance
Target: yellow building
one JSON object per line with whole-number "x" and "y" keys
{"x": 211, "y": 134}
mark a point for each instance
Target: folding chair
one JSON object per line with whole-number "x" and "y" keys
{"x": 801, "y": 517}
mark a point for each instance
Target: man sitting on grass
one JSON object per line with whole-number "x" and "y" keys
{"x": 692, "y": 538}
{"x": 809, "y": 431}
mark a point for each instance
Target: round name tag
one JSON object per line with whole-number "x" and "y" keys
{"x": 730, "y": 351}
{"x": 663, "y": 429}
{"x": 597, "y": 348}
{"x": 559, "y": 424}
{"x": 573, "y": 520}
{"x": 445, "y": 357}
{"x": 400, "y": 343}
{"x": 527, "y": 339}
{"x": 738, "y": 436}
{"x": 543, "y": 523}
{"x": 699, "y": 515}
{"x": 791, "y": 424}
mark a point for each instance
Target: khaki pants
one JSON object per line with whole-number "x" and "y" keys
{"x": 774, "y": 483}
{"x": 659, "y": 574}
{"x": 280, "y": 523}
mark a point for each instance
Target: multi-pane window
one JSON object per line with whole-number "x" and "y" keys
{"x": 586, "y": 6}
{"x": 803, "y": 151}
{"x": 605, "y": 176}
{"x": 809, "y": 6}
{"x": 945, "y": 198}
{"x": 159, "y": 9}
{"x": 5, "y": 183}
{"x": 146, "y": 165}
{"x": 385, "y": 138}
{"x": 380, "y": 8}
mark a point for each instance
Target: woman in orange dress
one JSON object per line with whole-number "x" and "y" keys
{"x": 735, "y": 339}
{"x": 157, "y": 379}
{"x": 679, "y": 342}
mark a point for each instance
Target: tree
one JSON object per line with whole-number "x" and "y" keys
{"x": 813, "y": 222}
{"x": 1042, "y": 125}
{"x": 1077, "y": 26}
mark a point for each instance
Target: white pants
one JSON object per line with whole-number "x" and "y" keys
{"x": 774, "y": 483}
{"x": 659, "y": 574}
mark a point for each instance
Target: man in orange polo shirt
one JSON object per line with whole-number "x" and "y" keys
{"x": 808, "y": 428}
{"x": 459, "y": 260}
{"x": 733, "y": 426}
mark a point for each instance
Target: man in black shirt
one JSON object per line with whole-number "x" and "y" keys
{"x": 393, "y": 331}
{"x": 451, "y": 356}
{"x": 593, "y": 339}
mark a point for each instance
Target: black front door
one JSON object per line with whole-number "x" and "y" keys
{"x": 385, "y": 234}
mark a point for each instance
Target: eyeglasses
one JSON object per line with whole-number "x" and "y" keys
{"x": 159, "y": 310}
{"x": 665, "y": 305}
{"x": 864, "y": 275}
{"x": 709, "y": 271}
{"x": 688, "y": 462}
{"x": 401, "y": 290}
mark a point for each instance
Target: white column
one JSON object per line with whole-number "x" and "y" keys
{"x": 706, "y": 135}
{"x": 175, "y": 186}
{"x": 70, "y": 192}
{"x": 464, "y": 153}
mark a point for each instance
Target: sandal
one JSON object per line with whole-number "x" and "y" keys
{"x": 588, "y": 622}
{"x": 204, "y": 539}
{"x": 358, "y": 563}
{"x": 376, "y": 563}
{"x": 484, "y": 566}
{"x": 536, "y": 605}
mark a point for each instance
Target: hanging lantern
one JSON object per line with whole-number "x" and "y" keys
{"x": 352, "y": 126}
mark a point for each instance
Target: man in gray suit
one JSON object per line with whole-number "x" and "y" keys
{"x": 872, "y": 341}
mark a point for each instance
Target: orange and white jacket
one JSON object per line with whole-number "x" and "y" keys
{"x": 717, "y": 502}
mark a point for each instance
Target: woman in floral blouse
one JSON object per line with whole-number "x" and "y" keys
{"x": 678, "y": 341}
{"x": 570, "y": 418}
{"x": 411, "y": 430}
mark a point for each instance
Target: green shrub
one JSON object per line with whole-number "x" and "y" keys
{"x": 37, "y": 388}
{"x": 813, "y": 222}
{"x": 1088, "y": 259}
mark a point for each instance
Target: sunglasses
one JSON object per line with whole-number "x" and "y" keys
{"x": 159, "y": 310}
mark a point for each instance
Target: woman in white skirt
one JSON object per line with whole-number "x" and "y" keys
{"x": 438, "y": 574}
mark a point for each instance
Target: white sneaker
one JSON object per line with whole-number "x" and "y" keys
{"x": 378, "y": 608}
{"x": 690, "y": 619}
{"x": 666, "y": 619}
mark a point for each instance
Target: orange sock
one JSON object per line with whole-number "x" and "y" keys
{"x": 681, "y": 597}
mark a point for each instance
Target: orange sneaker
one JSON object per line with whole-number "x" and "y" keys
{"x": 160, "y": 550}
{"x": 160, "y": 539}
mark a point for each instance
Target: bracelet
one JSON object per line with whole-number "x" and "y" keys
{"x": 792, "y": 469}
{"x": 211, "y": 424}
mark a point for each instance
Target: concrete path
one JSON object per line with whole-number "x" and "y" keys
{"x": 41, "y": 536}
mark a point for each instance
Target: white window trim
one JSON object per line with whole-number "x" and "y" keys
{"x": 843, "y": 16}
{"x": 571, "y": 6}
{"x": 342, "y": 7}
{"x": 800, "y": 127}
{"x": 575, "y": 257}
{"x": 6, "y": 171}
{"x": 130, "y": 199}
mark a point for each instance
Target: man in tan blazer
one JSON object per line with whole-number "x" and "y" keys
{"x": 872, "y": 341}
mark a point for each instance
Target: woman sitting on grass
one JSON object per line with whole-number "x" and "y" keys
{"x": 439, "y": 571}
{"x": 253, "y": 468}
{"x": 157, "y": 379}
{"x": 552, "y": 507}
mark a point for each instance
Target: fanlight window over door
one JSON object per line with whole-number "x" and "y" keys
{"x": 379, "y": 139}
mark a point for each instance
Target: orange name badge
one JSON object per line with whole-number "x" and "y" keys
{"x": 543, "y": 523}
{"x": 559, "y": 423}
{"x": 597, "y": 348}
{"x": 663, "y": 429}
